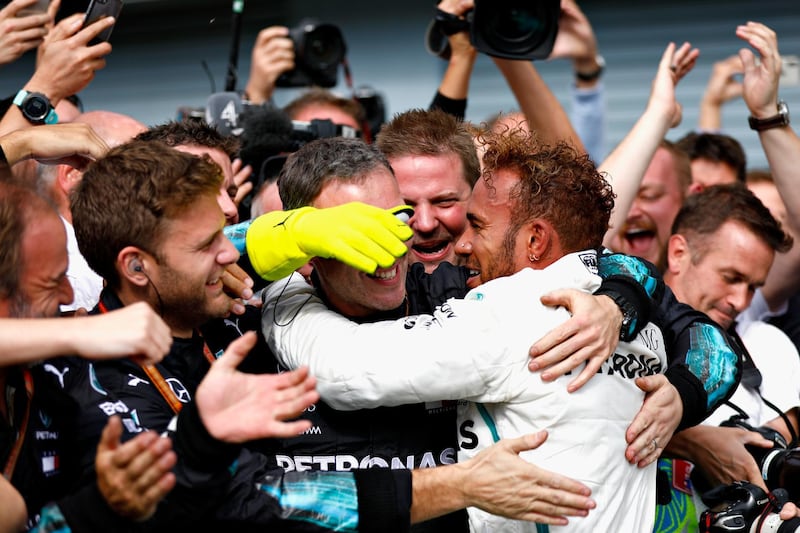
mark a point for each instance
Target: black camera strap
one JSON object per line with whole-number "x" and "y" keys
{"x": 752, "y": 379}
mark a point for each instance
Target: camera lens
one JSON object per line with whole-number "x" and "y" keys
{"x": 520, "y": 26}
{"x": 324, "y": 47}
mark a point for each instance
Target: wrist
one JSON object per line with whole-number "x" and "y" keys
{"x": 589, "y": 69}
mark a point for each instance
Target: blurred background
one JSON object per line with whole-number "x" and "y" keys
{"x": 161, "y": 47}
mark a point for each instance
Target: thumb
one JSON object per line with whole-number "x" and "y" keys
{"x": 109, "y": 440}
{"x": 748, "y": 59}
{"x": 555, "y": 298}
{"x": 527, "y": 442}
{"x": 647, "y": 383}
{"x": 237, "y": 351}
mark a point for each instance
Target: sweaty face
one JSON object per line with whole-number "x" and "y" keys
{"x": 647, "y": 227}
{"x": 43, "y": 280}
{"x": 723, "y": 281}
{"x": 194, "y": 254}
{"x": 488, "y": 249}
{"x": 350, "y": 291}
{"x": 227, "y": 191}
{"x": 435, "y": 186}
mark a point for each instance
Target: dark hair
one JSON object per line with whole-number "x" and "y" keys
{"x": 715, "y": 147}
{"x": 19, "y": 206}
{"x": 431, "y": 133}
{"x": 318, "y": 162}
{"x": 127, "y": 197}
{"x": 702, "y": 214}
{"x": 556, "y": 182}
{"x": 191, "y": 132}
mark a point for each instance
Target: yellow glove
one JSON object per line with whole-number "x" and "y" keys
{"x": 360, "y": 235}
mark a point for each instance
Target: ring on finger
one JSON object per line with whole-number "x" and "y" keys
{"x": 654, "y": 442}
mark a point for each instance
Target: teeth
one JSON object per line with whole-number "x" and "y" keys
{"x": 388, "y": 275}
{"x": 474, "y": 272}
{"x": 214, "y": 282}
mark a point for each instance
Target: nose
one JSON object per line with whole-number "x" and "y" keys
{"x": 740, "y": 297}
{"x": 229, "y": 208}
{"x": 464, "y": 243}
{"x": 424, "y": 220}
{"x": 228, "y": 254}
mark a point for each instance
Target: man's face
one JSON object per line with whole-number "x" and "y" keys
{"x": 647, "y": 228}
{"x": 194, "y": 255}
{"x": 706, "y": 173}
{"x": 488, "y": 249}
{"x": 350, "y": 291}
{"x": 227, "y": 191}
{"x": 43, "y": 284}
{"x": 723, "y": 281}
{"x": 437, "y": 190}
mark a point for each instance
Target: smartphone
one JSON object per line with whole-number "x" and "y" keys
{"x": 98, "y": 9}
{"x": 37, "y": 8}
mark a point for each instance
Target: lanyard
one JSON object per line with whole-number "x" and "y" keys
{"x": 8, "y": 471}
{"x": 158, "y": 380}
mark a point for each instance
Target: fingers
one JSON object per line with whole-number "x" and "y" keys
{"x": 592, "y": 367}
{"x": 526, "y": 442}
{"x": 237, "y": 351}
{"x": 236, "y": 282}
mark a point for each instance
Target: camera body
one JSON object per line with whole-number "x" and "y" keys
{"x": 319, "y": 50}
{"x": 742, "y": 507}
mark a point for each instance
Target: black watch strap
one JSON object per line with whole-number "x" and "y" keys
{"x": 776, "y": 121}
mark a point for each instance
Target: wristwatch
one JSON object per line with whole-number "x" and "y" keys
{"x": 777, "y": 121}
{"x": 591, "y": 76}
{"x": 35, "y": 107}
{"x": 629, "y": 315}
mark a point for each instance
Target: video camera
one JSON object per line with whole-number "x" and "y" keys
{"x": 319, "y": 50}
{"x": 746, "y": 508}
{"x": 510, "y": 29}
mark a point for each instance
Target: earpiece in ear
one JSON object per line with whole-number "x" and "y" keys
{"x": 136, "y": 266}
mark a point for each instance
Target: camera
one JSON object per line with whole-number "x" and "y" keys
{"x": 744, "y": 507}
{"x": 510, "y": 29}
{"x": 319, "y": 50}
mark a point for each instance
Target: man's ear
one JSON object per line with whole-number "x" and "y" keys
{"x": 132, "y": 265}
{"x": 67, "y": 178}
{"x": 539, "y": 238}
{"x": 678, "y": 253}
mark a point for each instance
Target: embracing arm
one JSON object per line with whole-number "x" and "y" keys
{"x": 452, "y": 354}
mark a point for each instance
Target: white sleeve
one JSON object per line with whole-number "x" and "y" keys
{"x": 455, "y": 354}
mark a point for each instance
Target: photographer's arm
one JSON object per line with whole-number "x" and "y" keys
{"x": 272, "y": 55}
{"x": 720, "y": 453}
{"x": 454, "y": 88}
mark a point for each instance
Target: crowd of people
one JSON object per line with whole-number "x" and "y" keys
{"x": 432, "y": 325}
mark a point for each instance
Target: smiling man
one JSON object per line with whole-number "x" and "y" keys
{"x": 661, "y": 193}
{"x": 434, "y": 159}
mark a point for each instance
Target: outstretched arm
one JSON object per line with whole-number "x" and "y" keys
{"x": 498, "y": 481}
{"x": 722, "y": 87}
{"x": 627, "y": 163}
{"x": 135, "y": 331}
{"x": 781, "y": 146}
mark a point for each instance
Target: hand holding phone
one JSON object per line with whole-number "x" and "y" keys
{"x": 99, "y": 9}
